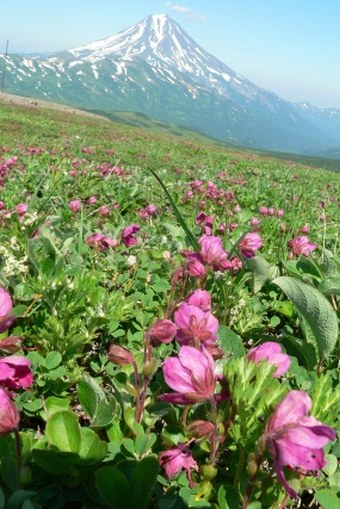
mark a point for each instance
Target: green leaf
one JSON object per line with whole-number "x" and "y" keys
{"x": 19, "y": 496}
{"x": 114, "y": 488}
{"x": 2, "y": 499}
{"x": 315, "y": 309}
{"x": 54, "y": 404}
{"x": 332, "y": 464}
{"x": 104, "y": 413}
{"x": 143, "y": 479}
{"x": 230, "y": 342}
{"x": 328, "y": 499}
{"x": 330, "y": 285}
{"x": 191, "y": 238}
{"x": 143, "y": 443}
{"x": 56, "y": 463}
{"x": 53, "y": 359}
{"x": 228, "y": 497}
{"x": 87, "y": 397}
{"x": 63, "y": 431}
{"x": 260, "y": 271}
{"x": 92, "y": 449}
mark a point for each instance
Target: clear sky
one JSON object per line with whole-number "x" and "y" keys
{"x": 291, "y": 47}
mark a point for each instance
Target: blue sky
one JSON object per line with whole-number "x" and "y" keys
{"x": 291, "y": 47}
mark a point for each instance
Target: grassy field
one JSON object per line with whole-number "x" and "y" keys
{"x": 169, "y": 319}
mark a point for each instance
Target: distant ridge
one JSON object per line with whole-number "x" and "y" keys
{"x": 156, "y": 68}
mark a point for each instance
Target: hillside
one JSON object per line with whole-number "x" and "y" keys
{"x": 163, "y": 298}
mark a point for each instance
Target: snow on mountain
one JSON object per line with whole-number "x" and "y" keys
{"x": 156, "y": 68}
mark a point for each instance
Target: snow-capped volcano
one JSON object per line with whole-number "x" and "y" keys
{"x": 162, "y": 43}
{"x": 156, "y": 68}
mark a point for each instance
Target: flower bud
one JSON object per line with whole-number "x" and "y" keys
{"x": 150, "y": 367}
{"x": 252, "y": 465}
{"x": 9, "y": 415}
{"x": 208, "y": 472}
{"x": 11, "y": 344}
{"x": 162, "y": 331}
{"x": 201, "y": 428}
{"x": 120, "y": 355}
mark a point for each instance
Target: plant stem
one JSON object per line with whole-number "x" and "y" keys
{"x": 18, "y": 450}
{"x": 284, "y": 502}
{"x": 250, "y": 485}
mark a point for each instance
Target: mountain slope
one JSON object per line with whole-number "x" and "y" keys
{"x": 154, "y": 67}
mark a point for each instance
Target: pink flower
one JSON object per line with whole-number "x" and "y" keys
{"x": 195, "y": 326}
{"x": 263, "y": 211}
{"x": 271, "y": 352}
{"x": 21, "y": 209}
{"x": 74, "y": 205}
{"x": 301, "y": 246}
{"x": 194, "y": 266}
{"x": 294, "y": 439}
{"x": 6, "y": 306}
{"x": 100, "y": 241}
{"x": 162, "y": 331}
{"x": 128, "y": 237}
{"x": 177, "y": 459}
{"x": 271, "y": 211}
{"x": 151, "y": 210}
{"x": 279, "y": 213}
{"x": 6, "y": 303}
{"x": 212, "y": 252}
{"x": 250, "y": 243}
{"x": 305, "y": 228}
{"x": 200, "y": 299}
{"x": 15, "y": 372}
{"x": 191, "y": 374}
{"x": 91, "y": 200}
{"x": 254, "y": 221}
{"x": 104, "y": 210}
{"x": 9, "y": 415}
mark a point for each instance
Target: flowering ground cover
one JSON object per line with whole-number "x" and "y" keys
{"x": 169, "y": 318}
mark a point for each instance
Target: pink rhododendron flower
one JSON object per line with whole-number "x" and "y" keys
{"x": 74, "y": 205}
{"x": 9, "y": 415}
{"x": 254, "y": 221}
{"x": 104, "y": 210}
{"x": 200, "y": 299}
{"x": 6, "y": 303}
{"x": 250, "y": 243}
{"x": 6, "y": 306}
{"x": 195, "y": 326}
{"x": 177, "y": 459}
{"x": 271, "y": 352}
{"x": 212, "y": 252}
{"x": 295, "y": 439}
{"x": 191, "y": 374}
{"x": 305, "y": 228}
{"x": 91, "y": 200}
{"x": 301, "y": 246}
{"x": 15, "y": 372}
{"x": 193, "y": 265}
{"x": 128, "y": 237}
{"x": 162, "y": 331}
{"x": 21, "y": 209}
{"x": 100, "y": 241}
{"x": 151, "y": 210}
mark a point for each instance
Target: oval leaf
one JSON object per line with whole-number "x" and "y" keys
{"x": 315, "y": 309}
{"x": 63, "y": 431}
